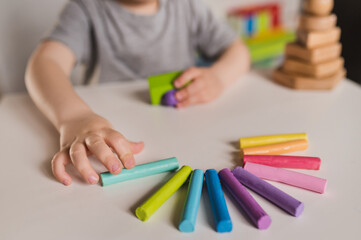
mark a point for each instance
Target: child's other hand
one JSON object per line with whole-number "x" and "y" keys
{"x": 87, "y": 135}
{"x": 204, "y": 86}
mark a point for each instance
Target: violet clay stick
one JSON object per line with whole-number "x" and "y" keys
{"x": 268, "y": 191}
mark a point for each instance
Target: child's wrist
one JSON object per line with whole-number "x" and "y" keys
{"x": 74, "y": 116}
{"x": 217, "y": 73}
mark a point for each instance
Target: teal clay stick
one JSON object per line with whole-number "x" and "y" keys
{"x": 190, "y": 210}
{"x": 151, "y": 205}
{"x": 140, "y": 171}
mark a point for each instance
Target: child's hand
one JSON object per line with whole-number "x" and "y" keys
{"x": 204, "y": 86}
{"x": 92, "y": 135}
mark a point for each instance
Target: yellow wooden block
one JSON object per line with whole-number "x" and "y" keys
{"x": 317, "y": 7}
{"x": 315, "y": 55}
{"x": 313, "y": 39}
{"x": 318, "y": 70}
{"x": 300, "y": 82}
{"x": 317, "y": 23}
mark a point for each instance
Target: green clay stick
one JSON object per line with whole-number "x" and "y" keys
{"x": 146, "y": 210}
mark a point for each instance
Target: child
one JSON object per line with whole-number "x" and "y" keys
{"x": 128, "y": 39}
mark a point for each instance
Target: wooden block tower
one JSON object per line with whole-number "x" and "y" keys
{"x": 313, "y": 61}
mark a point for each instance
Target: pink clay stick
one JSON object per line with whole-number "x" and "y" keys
{"x": 283, "y": 161}
{"x": 288, "y": 177}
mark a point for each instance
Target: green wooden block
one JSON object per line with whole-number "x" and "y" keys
{"x": 269, "y": 46}
{"x": 160, "y": 84}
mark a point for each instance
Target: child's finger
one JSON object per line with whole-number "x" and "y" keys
{"x": 81, "y": 162}
{"x": 122, "y": 148}
{"x": 191, "y": 100}
{"x": 187, "y": 76}
{"x": 136, "y": 147}
{"x": 58, "y": 163}
{"x": 102, "y": 151}
{"x": 190, "y": 90}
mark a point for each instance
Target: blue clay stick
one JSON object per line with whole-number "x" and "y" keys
{"x": 139, "y": 171}
{"x": 218, "y": 203}
{"x": 190, "y": 210}
{"x": 270, "y": 192}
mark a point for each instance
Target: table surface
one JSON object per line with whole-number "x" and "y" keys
{"x": 33, "y": 205}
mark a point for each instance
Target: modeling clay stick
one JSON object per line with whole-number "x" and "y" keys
{"x": 270, "y": 139}
{"x": 140, "y": 171}
{"x": 190, "y": 210}
{"x": 288, "y": 177}
{"x": 218, "y": 203}
{"x": 284, "y": 161}
{"x": 151, "y": 205}
{"x": 268, "y": 191}
{"x": 277, "y": 148}
{"x": 254, "y": 211}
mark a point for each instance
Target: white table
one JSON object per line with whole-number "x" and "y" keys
{"x": 35, "y": 206}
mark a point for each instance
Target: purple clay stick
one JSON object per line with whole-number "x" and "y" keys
{"x": 254, "y": 211}
{"x": 168, "y": 98}
{"x": 268, "y": 191}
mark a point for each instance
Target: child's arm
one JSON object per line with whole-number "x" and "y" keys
{"x": 208, "y": 83}
{"x": 82, "y": 132}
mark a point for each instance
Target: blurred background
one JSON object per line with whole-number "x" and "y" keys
{"x": 23, "y": 23}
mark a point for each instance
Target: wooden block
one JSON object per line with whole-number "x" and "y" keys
{"x": 317, "y": 23}
{"x": 300, "y": 82}
{"x": 317, "y": 7}
{"x": 160, "y": 84}
{"x": 316, "y": 55}
{"x": 313, "y": 70}
{"x": 313, "y": 39}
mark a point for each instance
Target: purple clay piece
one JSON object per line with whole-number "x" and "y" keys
{"x": 168, "y": 98}
{"x": 254, "y": 211}
{"x": 268, "y": 191}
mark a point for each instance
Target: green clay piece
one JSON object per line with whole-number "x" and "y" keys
{"x": 160, "y": 84}
{"x": 151, "y": 205}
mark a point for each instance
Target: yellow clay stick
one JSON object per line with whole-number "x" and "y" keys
{"x": 146, "y": 210}
{"x": 270, "y": 139}
{"x": 277, "y": 148}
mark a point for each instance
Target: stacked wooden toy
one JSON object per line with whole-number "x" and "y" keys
{"x": 256, "y": 168}
{"x": 313, "y": 61}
